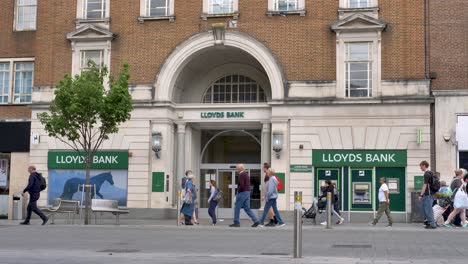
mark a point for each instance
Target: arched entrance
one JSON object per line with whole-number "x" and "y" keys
{"x": 221, "y": 152}
{"x": 176, "y": 63}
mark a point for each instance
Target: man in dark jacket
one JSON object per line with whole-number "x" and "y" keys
{"x": 34, "y": 190}
{"x": 243, "y": 198}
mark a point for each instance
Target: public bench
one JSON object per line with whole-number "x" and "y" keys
{"x": 69, "y": 207}
{"x": 106, "y": 206}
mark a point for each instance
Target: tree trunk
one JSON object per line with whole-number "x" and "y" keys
{"x": 87, "y": 188}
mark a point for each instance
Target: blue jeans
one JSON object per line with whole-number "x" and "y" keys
{"x": 426, "y": 205}
{"x": 271, "y": 203}
{"x": 243, "y": 201}
{"x": 212, "y": 211}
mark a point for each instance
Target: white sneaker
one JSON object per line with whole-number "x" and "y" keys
{"x": 341, "y": 221}
{"x": 281, "y": 225}
{"x": 323, "y": 223}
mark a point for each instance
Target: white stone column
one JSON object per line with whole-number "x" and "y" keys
{"x": 180, "y": 163}
{"x": 266, "y": 143}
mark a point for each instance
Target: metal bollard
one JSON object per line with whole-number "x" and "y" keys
{"x": 297, "y": 224}
{"x": 329, "y": 210}
{"x": 178, "y": 207}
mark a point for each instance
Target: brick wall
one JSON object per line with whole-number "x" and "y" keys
{"x": 449, "y": 44}
{"x": 304, "y": 46}
{"x": 15, "y": 112}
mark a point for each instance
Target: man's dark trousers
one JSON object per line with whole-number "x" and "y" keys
{"x": 32, "y": 207}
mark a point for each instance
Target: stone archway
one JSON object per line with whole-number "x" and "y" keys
{"x": 182, "y": 54}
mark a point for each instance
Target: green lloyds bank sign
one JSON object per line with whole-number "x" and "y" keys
{"x": 217, "y": 115}
{"x": 73, "y": 160}
{"x": 359, "y": 158}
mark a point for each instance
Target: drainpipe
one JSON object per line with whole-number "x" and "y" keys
{"x": 432, "y": 106}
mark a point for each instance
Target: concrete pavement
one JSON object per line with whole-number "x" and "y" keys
{"x": 163, "y": 242}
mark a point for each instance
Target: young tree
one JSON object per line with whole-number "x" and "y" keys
{"x": 84, "y": 113}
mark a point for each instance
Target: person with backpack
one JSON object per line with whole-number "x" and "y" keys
{"x": 430, "y": 187}
{"x": 188, "y": 208}
{"x": 271, "y": 195}
{"x": 36, "y": 184}
{"x": 182, "y": 193}
{"x": 213, "y": 201}
{"x": 460, "y": 207}
{"x": 330, "y": 189}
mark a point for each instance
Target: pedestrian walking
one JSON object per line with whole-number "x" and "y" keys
{"x": 336, "y": 203}
{"x": 330, "y": 189}
{"x": 189, "y": 205}
{"x": 456, "y": 183}
{"x": 271, "y": 195}
{"x": 195, "y": 203}
{"x": 271, "y": 214}
{"x": 243, "y": 198}
{"x": 460, "y": 206}
{"x": 213, "y": 203}
{"x": 384, "y": 204}
{"x": 36, "y": 184}
{"x": 427, "y": 194}
{"x": 184, "y": 180}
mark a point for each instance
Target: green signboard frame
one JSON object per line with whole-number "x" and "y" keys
{"x": 418, "y": 182}
{"x": 113, "y": 160}
{"x": 359, "y": 158}
{"x": 158, "y": 182}
{"x": 301, "y": 168}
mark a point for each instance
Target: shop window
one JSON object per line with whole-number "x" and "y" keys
{"x": 358, "y": 69}
{"x": 463, "y": 160}
{"x": 234, "y": 89}
{"x": 4, "y": 184}
{"x": 25, "y": 15}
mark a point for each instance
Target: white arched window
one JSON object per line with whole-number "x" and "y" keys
{"x": 234, "y": 89}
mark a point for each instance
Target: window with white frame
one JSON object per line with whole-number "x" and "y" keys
{"x": 23, "y": 74}
{"x": 221, "y": 6}
{"x": 94, "y": 9}
{"x": 286, "y": 5}
{"x": 234, "y": 89}
{"x": 156, "y": 8}
{"x": 359, "y": 3}
{"x": 16, "y": 81}
{"x": 4, "y": 82}
{"x": 358, "y": 69}
{"x": 26, "y": 14}
{"x": 96, "y": 56}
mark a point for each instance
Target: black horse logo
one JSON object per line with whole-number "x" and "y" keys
{"x": 71, "y": 185}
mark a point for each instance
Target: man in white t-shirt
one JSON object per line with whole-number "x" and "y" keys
{"x": 384, "y": 204}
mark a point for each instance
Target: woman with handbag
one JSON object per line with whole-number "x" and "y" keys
{"x": 460, "y": 205}
{"x": 213, "y": 201}
{"x": 188, "y": 208}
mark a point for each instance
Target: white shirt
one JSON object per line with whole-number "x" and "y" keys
{"x": 382, "y": 190}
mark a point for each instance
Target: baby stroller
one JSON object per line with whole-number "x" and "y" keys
{"x": 311, "y": 213}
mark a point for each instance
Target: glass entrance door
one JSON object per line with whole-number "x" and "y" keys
{"x": 226, "y": 179}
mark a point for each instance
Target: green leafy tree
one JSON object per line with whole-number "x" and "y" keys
{"x": 84, "y": 113}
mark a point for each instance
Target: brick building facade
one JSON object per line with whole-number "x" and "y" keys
{"x": 317, "y": 75}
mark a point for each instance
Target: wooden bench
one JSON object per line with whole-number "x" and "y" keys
{"x": 107, "y": 206}
{"x": 69, "y": 207}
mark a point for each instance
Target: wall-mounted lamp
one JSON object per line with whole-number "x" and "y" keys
{"x": 156, "y": 143}
{"x": 277, "y": 143}
{"x": 219, "y": 30}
